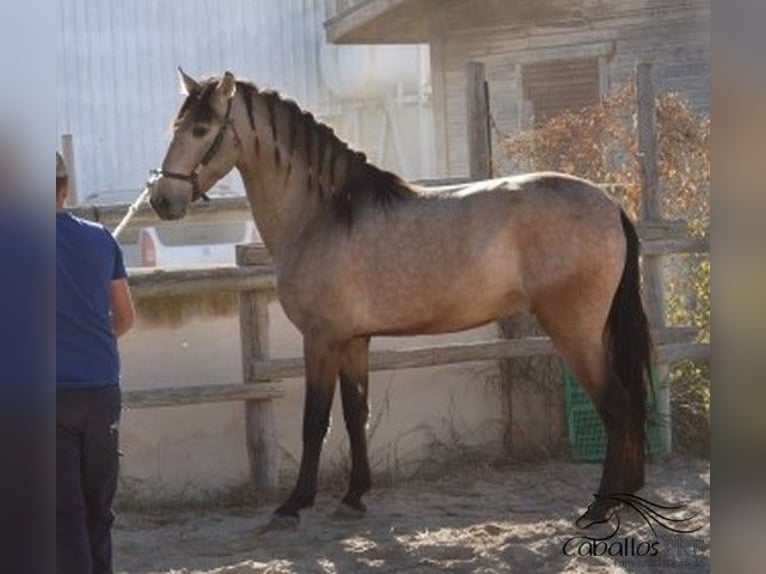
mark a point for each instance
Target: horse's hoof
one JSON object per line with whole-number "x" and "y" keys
{"x": 599, "y": 512}
{"x": 347, "y": 512}
{"x": 280, "y": 523}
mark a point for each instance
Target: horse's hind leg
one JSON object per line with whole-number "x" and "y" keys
{"x": 577, "y": 330}
{"x": 354, "y": 378}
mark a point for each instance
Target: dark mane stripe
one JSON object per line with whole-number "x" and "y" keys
{"x": 362, "y": 182}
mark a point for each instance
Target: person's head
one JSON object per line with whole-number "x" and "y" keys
{"x": 62, "y": 181}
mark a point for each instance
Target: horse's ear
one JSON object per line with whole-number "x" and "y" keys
{"x": 227, "y": 86}
{"x": 188, "y": 84}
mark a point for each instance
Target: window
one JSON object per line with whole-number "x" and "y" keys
{"x": 552, "y": 87}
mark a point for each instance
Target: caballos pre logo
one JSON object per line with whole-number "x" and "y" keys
{"x": 626, "y": 547}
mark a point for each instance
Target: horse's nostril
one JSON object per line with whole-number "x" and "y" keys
{"x": 160, "y": 204}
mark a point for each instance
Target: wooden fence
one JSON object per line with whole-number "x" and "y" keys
{"x": 253, "y": 278}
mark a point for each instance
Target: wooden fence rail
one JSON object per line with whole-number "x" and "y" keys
{"x": 672, "y": 344}
{"x": 666, "y": 239}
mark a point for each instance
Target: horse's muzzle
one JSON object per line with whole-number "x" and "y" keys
{"x": 166, "y": 208}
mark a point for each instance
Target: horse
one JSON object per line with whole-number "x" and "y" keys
{"x": 358, "y": 252}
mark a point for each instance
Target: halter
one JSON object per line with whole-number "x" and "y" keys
{"x": 192, "y": 178}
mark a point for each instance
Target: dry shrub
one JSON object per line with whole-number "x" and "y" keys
{"x": 600, "y": 143}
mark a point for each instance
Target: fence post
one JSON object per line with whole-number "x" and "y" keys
{"x": 651, "y": 212}
{"x": 477, "y": 114}
{"x": 67, "y": 152}
{"x": 262, "y": 448}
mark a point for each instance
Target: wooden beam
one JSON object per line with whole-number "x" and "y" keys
{"x": 185, "y": 281}
{"x": 651, "y": 204}
{"x": 259, "y": 274}
{"x": 477, "y": 121}
{"x": 250, "y": 254}
{"x": 198, "y": 395}
{"x": 363, "y": 22}
{"x": 238, "y": 208}
{"x": 678, "y": 351}
{"x": 678, "y": 245}
{"x": 67, "y": 152}
{"x": 260, "y": 424}
{"x": 651, "y": 210}
{"x": 663, "y": 229}
{"x": 418, "y": 357}
{"x": 218, "y": 209}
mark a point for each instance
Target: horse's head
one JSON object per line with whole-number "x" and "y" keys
{"x": 205, "y": 146}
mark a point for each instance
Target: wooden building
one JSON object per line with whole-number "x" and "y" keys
{"x": 541, "y": 56}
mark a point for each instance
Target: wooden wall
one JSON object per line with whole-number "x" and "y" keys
{"x": 674, "y": 34}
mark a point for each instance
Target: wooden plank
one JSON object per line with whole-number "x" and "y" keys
{"x": 651, "y": 204}
{"x": 651, "y": 210}
{"x": 237, "y": 208}
{"x": 662, "y": 229}
{"x": 437, "y": 355}
{"x": 419, "y": 357}
{"x": 651, "y": 207}
{"x": 477, "y": 117}
{"x": 67, "y": 152}
{"x": 218, "y": 209}
{"x": 685, "y": 334}
{"x": 249, "y": 254}
{"x": 185, "y": 281}
{"x": 202, "y": 394}
{"x": 259, "y": 275}
{"x": 263, "y": 391}
{"x": 678, "y": 351}
{"x": 679, "y": 245}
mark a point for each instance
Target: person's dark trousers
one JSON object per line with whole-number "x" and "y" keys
{"x": 86, "y": 478}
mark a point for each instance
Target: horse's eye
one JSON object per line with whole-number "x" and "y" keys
{"x": 199, "y": 131}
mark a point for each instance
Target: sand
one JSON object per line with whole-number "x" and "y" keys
{"x": 482, "y": 519}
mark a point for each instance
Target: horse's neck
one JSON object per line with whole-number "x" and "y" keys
{"x": 281, "y": 204}
{"x": 278, "y": 218}
{"x": 282, "y": 183}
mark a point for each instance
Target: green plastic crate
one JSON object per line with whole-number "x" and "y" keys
{"x": 587, "y": 435}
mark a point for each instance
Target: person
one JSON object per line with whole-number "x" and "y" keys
{"x": 93, "y": 309}
{"x": 27, "y": 394}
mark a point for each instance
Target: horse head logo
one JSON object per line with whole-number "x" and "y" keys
{"x": 653, "y": 513}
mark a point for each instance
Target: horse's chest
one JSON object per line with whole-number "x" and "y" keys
{"x": 310, "y": 298}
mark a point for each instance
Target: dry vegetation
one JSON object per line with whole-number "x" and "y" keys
{"x": 600, "y": 143}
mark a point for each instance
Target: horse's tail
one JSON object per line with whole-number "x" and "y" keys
{"x": 627, "y": 329}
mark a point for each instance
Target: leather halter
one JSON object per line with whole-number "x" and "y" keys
{"x": 192, "y": 178}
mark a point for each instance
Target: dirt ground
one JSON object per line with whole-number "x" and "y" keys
{"x": 482, "y": 519}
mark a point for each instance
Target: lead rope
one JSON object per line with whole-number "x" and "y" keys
{"x": 132, "y": 210}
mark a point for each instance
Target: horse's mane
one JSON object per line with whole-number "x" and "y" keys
{"x": 363, "y": 180}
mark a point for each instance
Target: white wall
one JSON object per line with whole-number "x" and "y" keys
{"x": 117, "y": 90}
{"x": 190, "y": 451}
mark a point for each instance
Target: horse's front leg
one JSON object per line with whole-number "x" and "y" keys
{"x": 321, "y": 358}
{"x": 354, "y": 377}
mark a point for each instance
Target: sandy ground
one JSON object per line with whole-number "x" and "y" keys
{"x": 482, "y": 519}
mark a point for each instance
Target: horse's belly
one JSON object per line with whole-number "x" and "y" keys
{"x": 452, "y": 309}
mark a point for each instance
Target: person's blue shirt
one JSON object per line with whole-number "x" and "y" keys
{"x": 88, "y": 259}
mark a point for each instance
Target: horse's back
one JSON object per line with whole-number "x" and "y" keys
{"x": 452, "y": 261}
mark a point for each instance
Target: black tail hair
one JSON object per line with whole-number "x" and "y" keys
{"x": 629, "y": 339}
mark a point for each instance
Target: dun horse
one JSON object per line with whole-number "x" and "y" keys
{"x": 358, "y": 252}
